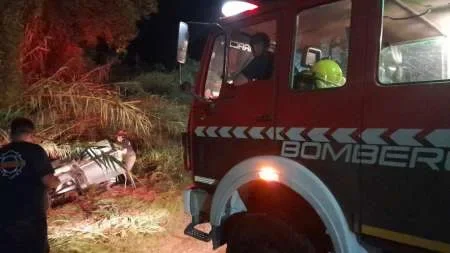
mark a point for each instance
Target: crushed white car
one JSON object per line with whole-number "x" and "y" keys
{"x": 100, "y": 163}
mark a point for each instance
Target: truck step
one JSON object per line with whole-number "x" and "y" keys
{"x": 197, "y": 234}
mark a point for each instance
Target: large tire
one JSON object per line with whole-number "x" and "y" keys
{"x": 248, "y": 233}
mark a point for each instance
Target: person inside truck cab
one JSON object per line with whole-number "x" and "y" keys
{"x": 261, "y": 66}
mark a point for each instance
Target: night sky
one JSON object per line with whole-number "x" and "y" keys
{"x": 157, "y": 41}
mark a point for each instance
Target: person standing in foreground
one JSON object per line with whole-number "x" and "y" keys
{"x": 25, "y": 175}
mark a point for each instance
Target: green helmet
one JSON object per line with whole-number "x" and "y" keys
{"x": 328, "y": 74}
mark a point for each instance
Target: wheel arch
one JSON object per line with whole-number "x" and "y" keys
{"x": 296, "y": 177}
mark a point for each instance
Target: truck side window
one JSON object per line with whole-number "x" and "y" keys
{"x": 415, "y": 45}
{"x": 215, "y": 70}
{"x": 325, "y": 29}
{"x": 251, "y": 53}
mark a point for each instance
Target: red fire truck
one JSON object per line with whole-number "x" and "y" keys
{"x": 323, "y": 126}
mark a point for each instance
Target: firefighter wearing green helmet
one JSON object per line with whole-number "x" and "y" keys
{"x": 327, "y": 74}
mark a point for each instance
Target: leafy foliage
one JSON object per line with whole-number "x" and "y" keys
{"x": 47, "y": 73}
{"x": 40, "y": 36}
{"x": 115, "y": 20}
{"x": 77, "y": 109}
{"x": 62, "y": 33}
{"x": 73, "y": 109}
{"x": 12, "y": 19}
{"x": 160, "y": 81}
{"x": 44, "y": 73}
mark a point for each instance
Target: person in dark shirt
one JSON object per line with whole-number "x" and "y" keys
{"x": 25, "y": 175}
{"x": 261, "y": 66}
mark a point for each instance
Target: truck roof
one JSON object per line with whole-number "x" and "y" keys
{"x": 423, "y": 20}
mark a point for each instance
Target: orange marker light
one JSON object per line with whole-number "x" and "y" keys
{"x": 269, "y": 174}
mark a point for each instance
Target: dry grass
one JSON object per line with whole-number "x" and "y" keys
{"x": 171, "y": 115}
{"x": 57, "y": 151}
{"x": 69, "y": 109}
{"x": 163, "y": 166}
{"x": 57, "y": 85}
{"x": 63, "y": 231}
{"x": 141, "y": 200}
{"x": 111, "y": 222}
{"x": 4, "y": 137}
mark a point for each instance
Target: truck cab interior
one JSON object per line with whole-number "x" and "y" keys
{"x": 329, "y": 36}
{"x": 415, "y": 44}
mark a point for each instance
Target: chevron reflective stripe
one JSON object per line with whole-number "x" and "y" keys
{"x": 256, "y": 133}
{"x": 199, "y": 131}
{"x": 373, "y": 136}
{"x": 344, "y": 135}
{"x": 224, "y": 132}
{"x": 439, "y": 138}
{"x": 318, "y": 134}
{"x": 275, "y": 133}
{"x": 239, "y": 132}
{"x": 406, "y": 137}
{"x": 270, "y": 133}
{"x": 211, "y": 132}
{"x": 278, "y": 132}
{"x": 294, "y": 134}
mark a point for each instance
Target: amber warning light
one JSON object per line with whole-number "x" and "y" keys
{"x": 269, "y": 174}
{"x": 232, "y": 8}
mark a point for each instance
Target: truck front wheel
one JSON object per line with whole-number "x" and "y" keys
{"x": 260, "y": 233}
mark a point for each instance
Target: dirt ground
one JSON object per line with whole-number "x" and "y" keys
{"x": 177, "y": 242}
{"x": 105, "y": 208}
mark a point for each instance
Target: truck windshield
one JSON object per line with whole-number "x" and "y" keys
{"x": 415, "y": 42}
{"x": 215, "y": 70}
{"x": 240, "y": 55}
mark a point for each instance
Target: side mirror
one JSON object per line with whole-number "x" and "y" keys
{"x": 311, "y": 56}
{"x": 183, "y": 42}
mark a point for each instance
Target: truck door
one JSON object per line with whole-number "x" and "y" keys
{"x": 236, "y": 123}
{"x": 317, "y": 120}
{"x": 406, "y": 186}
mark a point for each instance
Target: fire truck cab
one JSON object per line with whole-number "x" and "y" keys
{"x": 323, "y": 126}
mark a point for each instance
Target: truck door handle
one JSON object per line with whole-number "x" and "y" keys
{"x": 264, "y": 118}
